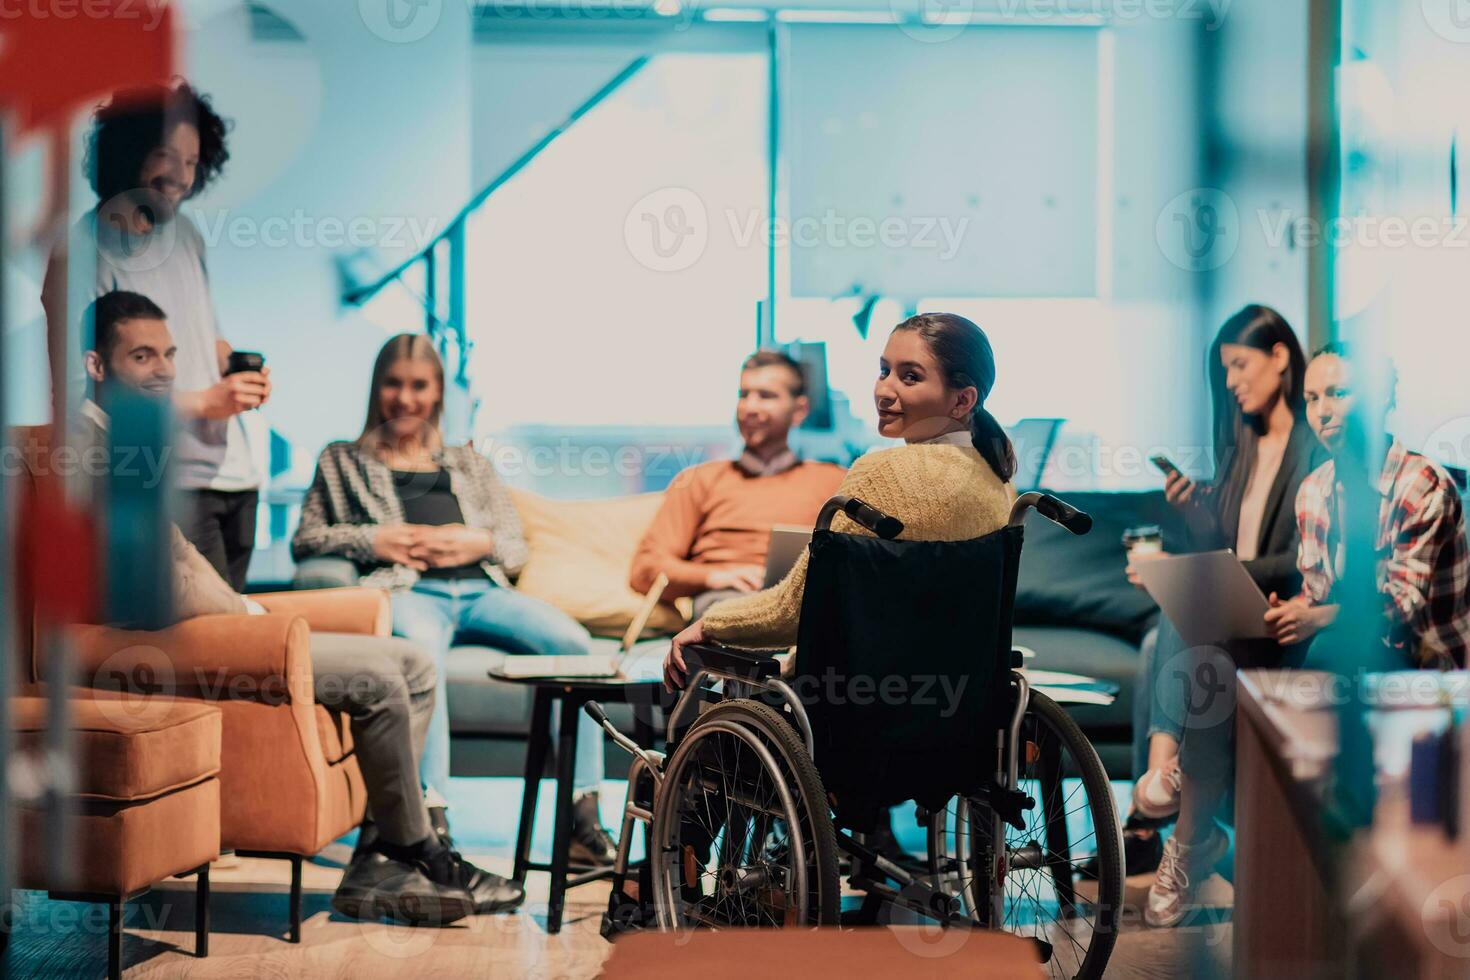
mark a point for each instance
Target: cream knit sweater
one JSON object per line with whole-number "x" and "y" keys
{"x": 940, "y": 492}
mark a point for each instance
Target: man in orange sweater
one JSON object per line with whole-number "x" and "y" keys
{"x": 711, "y": 534}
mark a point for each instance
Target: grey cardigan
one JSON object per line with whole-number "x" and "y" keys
{"x": 352, "y": 495}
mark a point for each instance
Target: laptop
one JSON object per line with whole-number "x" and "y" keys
{"x": 1209, "y": 596}
{"x": 787, "y": 543}
{"x": 589, "y": 665}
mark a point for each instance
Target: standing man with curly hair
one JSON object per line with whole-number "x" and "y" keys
{"x": 151, "y": 149}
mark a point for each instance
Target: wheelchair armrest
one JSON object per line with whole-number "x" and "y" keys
{"x": 746, "y": 664}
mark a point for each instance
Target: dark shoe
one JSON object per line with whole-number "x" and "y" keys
{"x": 490, "y": 892}
{"x": 376, "y": 886}
{"x": 1143, "y": 849}
{"x": 591, "y": 842}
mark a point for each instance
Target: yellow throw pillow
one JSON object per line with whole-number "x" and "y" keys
{"x": 581, "y": 552}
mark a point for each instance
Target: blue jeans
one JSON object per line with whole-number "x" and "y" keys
{"x": 440, "y": 613}
{"x": 1160, "y": 694}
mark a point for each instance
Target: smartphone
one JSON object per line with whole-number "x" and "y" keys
{"x": 244, "y": 360}
{"x": 1165, "y": 464}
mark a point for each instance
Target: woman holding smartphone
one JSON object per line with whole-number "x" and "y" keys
{"x": 1263, "y": 450}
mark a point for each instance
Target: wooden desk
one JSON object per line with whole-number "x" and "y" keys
{"x": 1393, "y": 902}
{"x": 1284, "y": 922}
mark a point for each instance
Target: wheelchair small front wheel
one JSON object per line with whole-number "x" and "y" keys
{"x": 1059, "y": 879}
{"x": 741, "y": 831}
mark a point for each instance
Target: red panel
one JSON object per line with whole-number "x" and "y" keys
{"x": 60, "y": 57}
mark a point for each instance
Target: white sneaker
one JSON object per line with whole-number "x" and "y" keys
{"x": 1181, "y": 870}
{"x": 1157, "y": 792}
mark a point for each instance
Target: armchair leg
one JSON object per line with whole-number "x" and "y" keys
{"x": 114, "y": 938}
{"x": 201, "y": 914}
{"x": 296, "y": 898}
{"x": 295, "y": 910}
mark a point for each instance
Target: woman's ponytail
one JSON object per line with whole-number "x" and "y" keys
{"x": 992, "y": 443}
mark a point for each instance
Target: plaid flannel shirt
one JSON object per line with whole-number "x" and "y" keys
{"x": 1423, "y": 568}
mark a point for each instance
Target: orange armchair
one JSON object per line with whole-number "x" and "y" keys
{"x": 289, "y": 780}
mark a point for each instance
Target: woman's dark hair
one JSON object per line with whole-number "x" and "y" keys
{"x": 1237, "y": 433}
{"x": 137, "y": 121}
{"x": 964, "y": 355}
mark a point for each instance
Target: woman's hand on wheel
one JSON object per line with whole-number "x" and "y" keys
{"x": 675, "y": 672}
{"x": 1179, "y": 489}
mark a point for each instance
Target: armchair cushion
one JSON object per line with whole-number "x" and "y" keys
{"x": 129, "y": 748}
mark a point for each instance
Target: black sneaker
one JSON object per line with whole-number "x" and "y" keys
{"x": 591, "y": 842}
{"x": 491, "y": 893}
{"x": 375, "y": 886}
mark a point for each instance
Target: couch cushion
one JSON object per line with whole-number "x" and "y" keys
{"x": 130, "y": 748}
{"x": 581, "y": 553}
{"x": 1068, "y": 580}
{"x": 481, "y": 705}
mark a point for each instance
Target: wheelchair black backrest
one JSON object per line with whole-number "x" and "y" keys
{"x": 902, "y": 663}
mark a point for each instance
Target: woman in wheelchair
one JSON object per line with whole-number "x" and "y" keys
{"x": 910, "y": 576}
{"x": 949, "y": 482}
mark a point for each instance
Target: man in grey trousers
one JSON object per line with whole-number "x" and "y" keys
{"x": 402, "y": 868}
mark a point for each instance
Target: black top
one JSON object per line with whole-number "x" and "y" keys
{"x": 428, "y": 498}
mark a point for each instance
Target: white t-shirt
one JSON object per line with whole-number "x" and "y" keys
{"x": 167, "y": 266}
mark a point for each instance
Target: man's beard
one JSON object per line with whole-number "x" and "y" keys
{"x": 152, "y": 205}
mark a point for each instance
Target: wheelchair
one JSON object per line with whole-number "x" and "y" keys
{"x": 751, "y": 812}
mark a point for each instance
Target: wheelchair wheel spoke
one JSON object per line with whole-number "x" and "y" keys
{"x": 738, "y": 850}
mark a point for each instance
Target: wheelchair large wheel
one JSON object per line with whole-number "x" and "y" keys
{"x": 741, "y": 832}
{"x": 1032, "y": 882}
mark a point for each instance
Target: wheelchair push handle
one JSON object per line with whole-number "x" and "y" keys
{"x": 865, "y": 514}
{"x": 653, "y": 760}
{"x": 1053, "y": 509}
{"x": 596, "y": 712}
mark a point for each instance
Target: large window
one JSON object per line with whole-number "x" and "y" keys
{"x": 611, "y": 291}
{"x": 1403, "y": 238}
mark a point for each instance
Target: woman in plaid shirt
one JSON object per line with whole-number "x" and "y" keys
{"x": 1423, "y": 567}
{"x": 1422, "y": 573}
